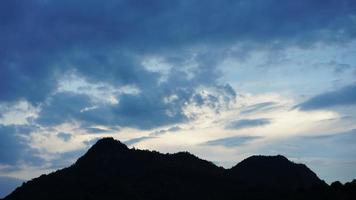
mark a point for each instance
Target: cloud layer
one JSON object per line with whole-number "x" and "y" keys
{"x": 345, "y": 96}
{"x": 42, "y": 39}
{"x": 247, "y": 123}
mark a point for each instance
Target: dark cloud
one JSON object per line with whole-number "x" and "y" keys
{"x": 232, "y": 141}
{"x": 247, "y": 123}
{"x": 63, "y": 107}
{"x": 345, "y": 96}
{"x": 14, "y": 148}
{"x": 134, "y": 111}
{"x": 104, "y": 42}
{"x": 185, "y": 94}
{"x": 146, "y": 110}
{"x": 43, "y": 39}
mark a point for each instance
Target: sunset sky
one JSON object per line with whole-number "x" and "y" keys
{"x": 222, "y": 79}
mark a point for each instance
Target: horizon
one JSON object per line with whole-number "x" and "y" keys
{"x": 223, "y": 80}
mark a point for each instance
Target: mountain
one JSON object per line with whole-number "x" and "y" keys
{"x": 110, "y": 170}
{"x": 275, "y": 172}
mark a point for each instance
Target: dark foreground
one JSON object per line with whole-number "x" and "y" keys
{"x": 110, "y": 170}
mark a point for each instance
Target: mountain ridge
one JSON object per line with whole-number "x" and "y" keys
{"x": 110, "y": 170}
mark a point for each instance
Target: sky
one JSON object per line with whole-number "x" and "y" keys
{"x": 222, "y": 79}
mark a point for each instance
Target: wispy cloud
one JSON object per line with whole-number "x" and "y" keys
{"x": 137, "y": 140}
{"x": 232, "y": 141}
{"x": 247, "y": 123}
{"x": 345, "y": 96}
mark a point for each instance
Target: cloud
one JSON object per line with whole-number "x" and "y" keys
{"x": 47, "y": 38}
{"x": 63, "y": 107}
{"x": 345, "y": 96}
{"x": 258, "y": 107}
{"x": 247, "y": 123}
{"x": 146, "y": 110}
{"x": 232, "y": 141}
{"x": 137, "y": 140}
{"x": 163, "y": 131}
{"x": 64, "y": 136}
{"x": 132, "y": 111}
{"x": 337, "y": 145}
{"x": 17, "y": 113}
{"x": 99, "y": 130}
{"x": 348, "y": 137}
{"x": 66, "y": 159}
{"x": 7, "y": 185}
{"x": 14, "y": 148}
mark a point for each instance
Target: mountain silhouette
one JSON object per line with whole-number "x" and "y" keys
{"x": 110, "y": 170}
{"x": 274, "y": 172}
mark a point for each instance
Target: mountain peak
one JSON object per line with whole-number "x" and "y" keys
{"x": 106, "y": 140}
{"x": 274, "y": 171}
{"x": 104, "y": 150}
{"x": 108, "y": 145}
{"x": 277, "y": 159}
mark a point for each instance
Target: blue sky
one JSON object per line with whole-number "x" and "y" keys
{"x": 221, "y": 79}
